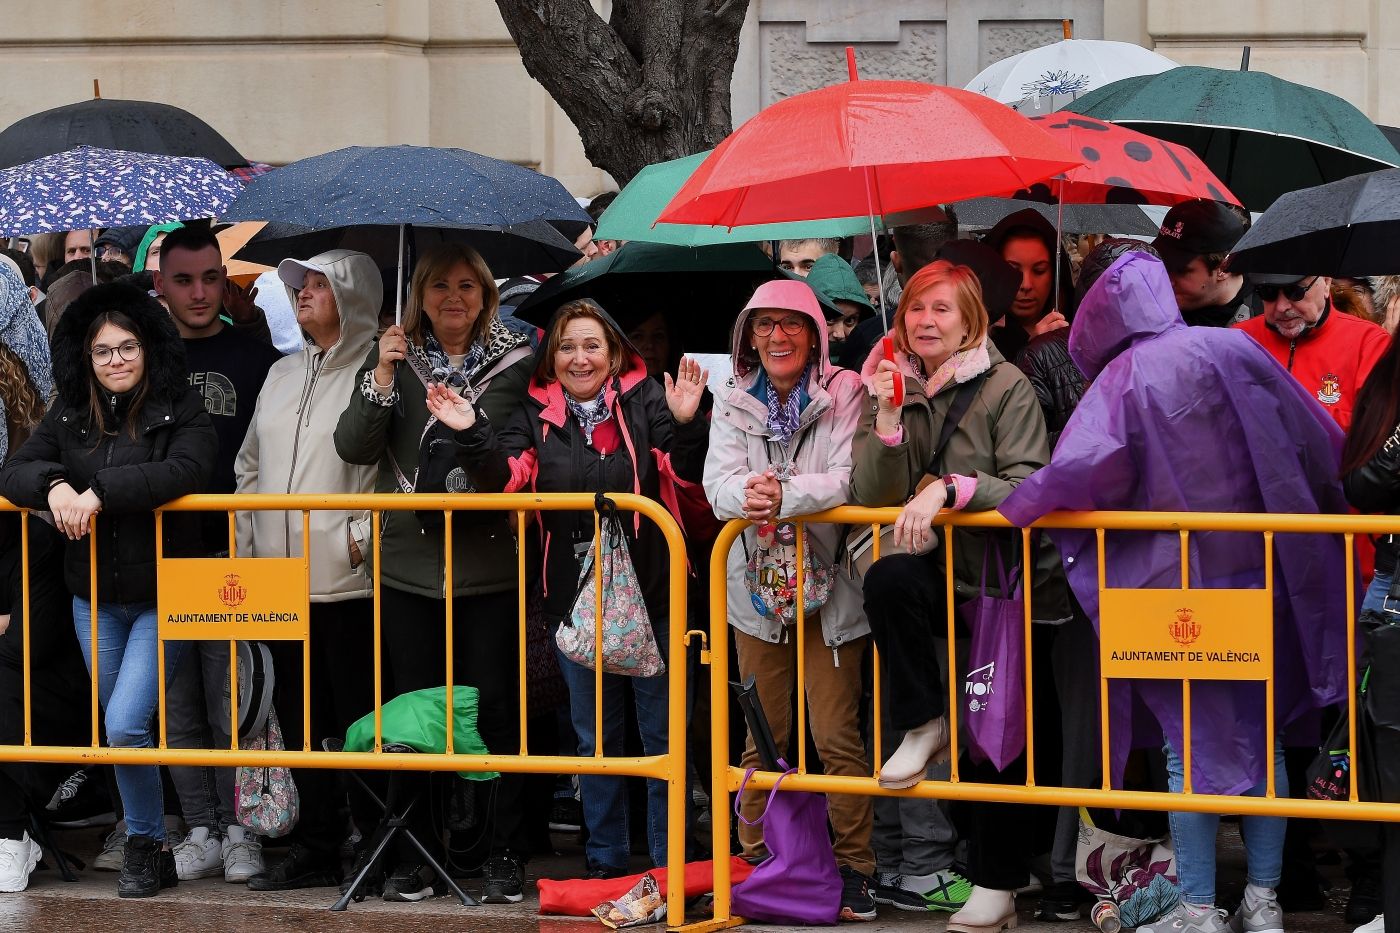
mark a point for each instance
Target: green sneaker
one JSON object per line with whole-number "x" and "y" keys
{"x": 944, "y": 890}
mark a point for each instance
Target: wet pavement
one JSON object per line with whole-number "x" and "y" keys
{"x": 210, "y": 906}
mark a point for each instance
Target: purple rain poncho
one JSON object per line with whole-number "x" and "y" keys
{"x": 1198, "y": 419}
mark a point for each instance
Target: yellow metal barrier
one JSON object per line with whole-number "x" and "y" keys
{"x": 669, "y": 767}
{"x": 725, "y": 778}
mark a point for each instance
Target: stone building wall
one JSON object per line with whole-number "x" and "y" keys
{"x": 283, "y": 79}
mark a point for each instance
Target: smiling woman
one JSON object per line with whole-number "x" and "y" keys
{"x": 593, "y": 421}
{"x": 125, "y": 436}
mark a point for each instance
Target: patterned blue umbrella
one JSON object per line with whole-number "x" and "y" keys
{"x": 386, "y": 199}
{"x": 86, "y": 187}
{"x": 392, "y": 185}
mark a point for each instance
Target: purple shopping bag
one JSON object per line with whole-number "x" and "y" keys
{"x": 994, "y": 689}
{"x": 800, "y": 884}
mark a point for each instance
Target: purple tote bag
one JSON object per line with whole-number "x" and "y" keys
{"x": 994, "y": 690}
{"x": 800, "y": 884}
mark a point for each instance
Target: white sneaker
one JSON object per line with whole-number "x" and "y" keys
{"x": 1372, "y": 926}
{"x": 200, "y": 855}
{"x": 242, "y": 855}
{"x": 17, "y": 860}
{"x": 110, "y": 858}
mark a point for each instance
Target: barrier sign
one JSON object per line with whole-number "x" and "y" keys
{"x": 1178, "y": 634}
{"x": 200, "y": 599}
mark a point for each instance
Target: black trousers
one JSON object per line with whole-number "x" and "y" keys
{"x": 485, "y": 655}
{"x": 60, "y": 713}
{"x": 906, "y": 603}
{"x": 342, "y": 690}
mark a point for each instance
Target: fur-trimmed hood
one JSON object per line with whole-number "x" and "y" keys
{"x": 161, "y": 347}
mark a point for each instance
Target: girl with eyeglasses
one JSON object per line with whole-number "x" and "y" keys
{"x": 125, "y": 436}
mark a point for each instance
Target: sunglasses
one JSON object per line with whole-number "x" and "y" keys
{"x": 1294, "y": 292}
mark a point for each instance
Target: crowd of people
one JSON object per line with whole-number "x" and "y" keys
{"x": 1022, "y": 373}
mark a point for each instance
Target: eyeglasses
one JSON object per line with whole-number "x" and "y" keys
{"x": 127, "y": 351}
{"x": 1294, "y": 292}
{"x": 792, "y": 326}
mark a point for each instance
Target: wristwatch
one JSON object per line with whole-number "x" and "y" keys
{"x": 951, "y": 496}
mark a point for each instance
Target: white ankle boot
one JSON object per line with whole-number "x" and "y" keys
{"x": 986, "y": 911}
{"x": 909, "y": 763}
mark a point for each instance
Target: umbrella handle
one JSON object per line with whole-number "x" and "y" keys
{"x": 888, "y": 343}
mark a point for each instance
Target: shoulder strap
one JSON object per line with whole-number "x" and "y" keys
{"x": 962, "y": 401}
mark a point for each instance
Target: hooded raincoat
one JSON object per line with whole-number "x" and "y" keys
{"x": 820, "y": 451}
{"x": 1198, "y": 420}
{"x": 289, "y": 447}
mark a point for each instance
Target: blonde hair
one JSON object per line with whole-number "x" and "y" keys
{"x": 967, "y": 294}
{"x": 436, "y": 265}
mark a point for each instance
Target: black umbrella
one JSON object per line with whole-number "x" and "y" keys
{"x": 699, "y": 289}
{"x": 1349, "y": 228}
{"x": 535, "y": 246}
{"x": 133, "y": 125}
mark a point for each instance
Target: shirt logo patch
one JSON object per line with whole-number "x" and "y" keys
{"x": 1331, "y": 391}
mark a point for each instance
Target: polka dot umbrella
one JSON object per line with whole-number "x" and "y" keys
{"x": 1122, "y": 166}
{"x": 88, "y": 188}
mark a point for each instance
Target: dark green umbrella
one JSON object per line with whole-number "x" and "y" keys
{"x": 632, "y": 215}
{"x": 700, "y": 290}
{"x": 1263, "y": 136}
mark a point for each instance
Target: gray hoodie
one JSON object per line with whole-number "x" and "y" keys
{"x": 289, "y": 447}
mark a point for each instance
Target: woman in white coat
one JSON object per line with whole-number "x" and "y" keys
{"x": 289, "y": 449}
{"x": 780, "y": 446}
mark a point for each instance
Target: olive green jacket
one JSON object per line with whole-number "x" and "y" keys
{"x": 1001, "y": 440}
{"x": 483, "y": 553}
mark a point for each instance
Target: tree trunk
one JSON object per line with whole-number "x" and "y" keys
{"x": 650, "y": 85}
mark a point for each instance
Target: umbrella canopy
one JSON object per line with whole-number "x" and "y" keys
{"x": 90, "y": 187}
{"x": 418, "y": 185}
{"x": 701, "y": 290}
{"x": 520, "y": 249}
{"x": 133, "y": 125}
{"x": 1051, "y": 76}
{"x": 632, "y": 215}
{"x": 984, "y": 213}
{"x": 360, "y": 197}
{"x": 864, "y": 148}
{"x": 1349, "y": 228}
{"x": 1263, "y": 136}
{"x": 1123, "y": 166}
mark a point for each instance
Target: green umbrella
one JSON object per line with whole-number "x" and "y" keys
{"x": 1263, "y": 136}
{"x": 632, "y": 214}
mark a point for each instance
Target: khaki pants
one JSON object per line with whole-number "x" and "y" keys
{"x": 833, "y": 682}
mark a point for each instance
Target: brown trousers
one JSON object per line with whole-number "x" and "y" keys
{"x": 833, "y": 682}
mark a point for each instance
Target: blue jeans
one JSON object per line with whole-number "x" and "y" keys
{"x": 127, "y": 689}
{"x": 1193, "y": 837}
{"x": 605, "y": 798}
{"x": 1375, "y": 597}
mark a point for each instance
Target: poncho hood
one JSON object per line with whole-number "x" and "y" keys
{"x": 1131, "y": 302}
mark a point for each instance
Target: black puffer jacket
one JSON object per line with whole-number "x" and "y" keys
{"x": 1375, "y": 487}
{"x": 1058, "y": 383}
{"x": 171, "y": 455}
{"x": 542, "y": 448}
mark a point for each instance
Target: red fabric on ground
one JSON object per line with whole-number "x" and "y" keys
{"x": 576, "y": 897}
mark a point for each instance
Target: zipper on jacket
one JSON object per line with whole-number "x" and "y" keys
{"x": 1292, "y": 346}
{"x": 308, "y": 389}
{"x": 116, "y": 564}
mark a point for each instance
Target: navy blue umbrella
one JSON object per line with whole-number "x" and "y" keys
{"x": 494, "y": 206}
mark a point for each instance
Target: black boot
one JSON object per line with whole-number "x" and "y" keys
{"x": 146, "y": 868}
{"x": 301, "y": 868}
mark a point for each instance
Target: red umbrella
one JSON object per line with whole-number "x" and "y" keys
{"x": 1123, "y": 166}
{"x": 866, "y": 148}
